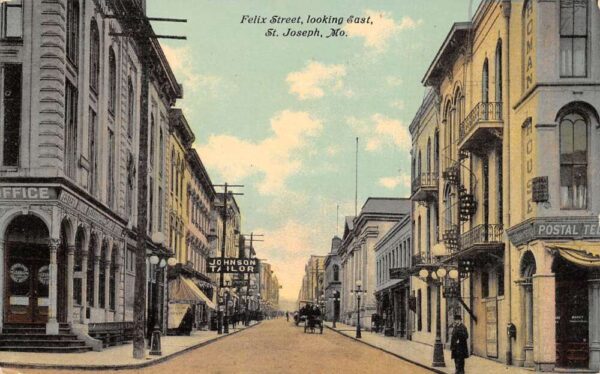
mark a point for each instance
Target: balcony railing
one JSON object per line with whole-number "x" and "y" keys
{"x": 483, "y": 112}
{"x": 482, "y": 235}
{"x": 425, "y": 186}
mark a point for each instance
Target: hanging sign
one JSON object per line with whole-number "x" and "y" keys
{"x": 233, "y": 265}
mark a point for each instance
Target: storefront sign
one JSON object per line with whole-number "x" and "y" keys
{"x": 555, "y": 228}
{"x": 233, "y": 265}
{"x": 529, "y": 47}
{"x": 27, "y": 193}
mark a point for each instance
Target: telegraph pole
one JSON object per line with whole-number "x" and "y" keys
{"x": 226, "y": 195}
{"x": 252, "y": 240}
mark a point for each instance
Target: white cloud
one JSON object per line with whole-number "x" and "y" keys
{"x": 398, "y": 104}
{"x": 311, "y": 82}
{"x": 382, "y": 27}
{"x": 181, "y": 61}
{"x": 275, "y": 158}
{"x": 380, "y": 131}
{"x": 394, "y": 81}
{"x": 393, "y": 182}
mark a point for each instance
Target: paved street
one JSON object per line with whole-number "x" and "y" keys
{"x": 277, "y": 346}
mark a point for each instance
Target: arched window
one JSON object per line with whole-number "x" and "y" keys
{"x": 130, "y": 109}
{"x": 429, "y": 155}
{"x": 448, "y": 215}
{"x": 78, "y": 266}
{"x": 72, "y": 31}
{"x": 102, "y": 276}
{"x": 151, "y": 139}
{"x": 436, "y": 152}
{"x": 498, "y": 69}
{"x": 173, "y": 169}
{"x": 485, "y": 82}
{"x": 94, "y": 55}
{"x": 336, "y": 273}
{"x": 573, "y": 38}
{"x": 113, "y": 278}
{"x": 573, "y": 161}
{"x": 419, "y": 165}
{"x": 448, "y": 129}
{"x": 90, "y": 271}
{"x": 112, "y": 81}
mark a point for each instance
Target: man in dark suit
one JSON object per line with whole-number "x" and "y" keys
{"x": 458, "y": 345}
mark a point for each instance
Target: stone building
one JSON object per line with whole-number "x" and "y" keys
{"x": 357, "y": 254}
{"x": 516, "y": 100}
{"x": 333, "y": 281}
{"x": 73, "y": 96}
{"x": 313, "y": 281}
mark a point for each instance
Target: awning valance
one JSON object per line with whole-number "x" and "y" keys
{"x": 183, "y": 290}
{"x": 580, "y": 253}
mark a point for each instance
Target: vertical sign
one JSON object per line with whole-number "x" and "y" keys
{"x": 491, "y": 331}
{"x": 527, "y": 154}
{"x": 528, "y": 45}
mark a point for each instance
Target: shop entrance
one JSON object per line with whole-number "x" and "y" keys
{"x": 26, "y": 283}
{"x": 572, "y": 312}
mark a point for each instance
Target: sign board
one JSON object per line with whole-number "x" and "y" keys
{"x": 555, "y": 228}
{"x": 233, "y": 265}
{"x": 491, "y": 323}
{"x": 27, "y": 193}
{"x": 176, "y": 314}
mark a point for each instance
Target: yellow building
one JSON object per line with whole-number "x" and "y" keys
{"x": 516, "y": 100}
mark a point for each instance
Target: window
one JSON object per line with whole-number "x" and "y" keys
{"x": 90, "y": 272}
{"x": 500, "y": 280}
{"x": 573, "y": 38}
{"x": 12, "y": 19}
{"x": 336, "y": 273}
{"x": 419, "y": 235}
{"x": 130, "y": 109}
{"x": 485, "y": 83}
{"x": 573, "y": 161}
{"x": 500, "y": 188}
{"x": 428, "y": 233}
{"x": 161, "y": 153}
{"x": 485, "y": 284}
{"x": 112, "y": 81}
{"x": 78, "y": 267}
{"x": 160, "y": 207}
{"x": 72, "y": 30}
{"x": 94, "y": 55}
{"x": 173, "y": 170}
{"x": 113, "y": 279}
{"x": 70, "y": 141}
{"x": 151, "y": 139}
{"x": 428, "y": 309}
{"x": 429, "y": 155}
{"x": 130, "y": 184}
{"x": 151, "y": 205}
{"x": 419, "y": 310}
{"x": 110, "y": 180}
{"x": 436, "y": 153}
{"x": 93, "y": 152}
{"x": 102, "y": 277}
{"x": 498, "y": 75}
{"x": 11, "y": 106}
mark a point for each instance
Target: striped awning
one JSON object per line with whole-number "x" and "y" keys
{"x": 184, "y": 290}
{"x": 586, "y": 254}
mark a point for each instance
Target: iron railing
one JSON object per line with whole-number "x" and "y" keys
{"x": 483, "y": 112}
{"x": 425, "y": 180}
{"x": 482, "y": 234}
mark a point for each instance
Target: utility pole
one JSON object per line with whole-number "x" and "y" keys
{"x": 136, "y": 25}
{"x": 252, "y": 240}
{"x": 226, "y": 194}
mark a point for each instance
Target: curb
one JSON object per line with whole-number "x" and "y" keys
{"x": 141, "y": 365}
{"x": 388, "y": 352}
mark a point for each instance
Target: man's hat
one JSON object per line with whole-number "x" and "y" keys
{"x": 457, "y": 317}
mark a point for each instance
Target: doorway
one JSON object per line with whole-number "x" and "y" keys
{"x": 27, "y": 276}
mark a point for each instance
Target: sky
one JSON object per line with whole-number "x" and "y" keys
{"x": 280, "y": 115}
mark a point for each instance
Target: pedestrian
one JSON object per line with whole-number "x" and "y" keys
{"x": 458, "y": 344}
{"x": 287, "y": 316}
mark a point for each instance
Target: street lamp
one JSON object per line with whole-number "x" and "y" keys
{"x": 358, "y": 291}
{"x": 437, "y": 276}
{"x": 160, "y": 263}
{"x": 336, "y": 300}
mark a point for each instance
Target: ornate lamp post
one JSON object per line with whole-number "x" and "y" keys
{"x": 437, "y": 276}
{"x": 358, "y": 291}
{"x": 160, "y": 263}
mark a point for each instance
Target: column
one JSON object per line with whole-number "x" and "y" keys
{"x": 52, "y": 324}
{"x": 119, "y": 286}
{"x": 544, "y": 324}
{"x": 594, "y": 320}
{"x": 3, "y": 259}
{"x": 70, "y": 265}
{"x": 528, "y": 307}
{"x": 84, "y": 264}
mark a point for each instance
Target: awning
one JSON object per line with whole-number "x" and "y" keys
{"x": 580, "y": 253}
{"x": 182, "y": 290}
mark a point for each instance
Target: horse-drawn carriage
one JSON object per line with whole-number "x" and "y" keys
{"x": 312, "y": 318}
{"x": 312, "y": 323}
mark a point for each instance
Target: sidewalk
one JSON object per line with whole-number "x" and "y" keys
{"x": 422, "y": 354}
{"x": 119, "y": 357}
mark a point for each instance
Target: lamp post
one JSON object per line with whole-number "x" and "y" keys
{"x": 358, "y": 291}
{"x": 437, "y": 276}
{"x": 160, "y": 263}
{"x": 336, "y": 300}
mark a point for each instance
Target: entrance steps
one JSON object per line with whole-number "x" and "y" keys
{"x": 21, "y": 337}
